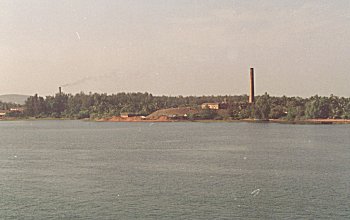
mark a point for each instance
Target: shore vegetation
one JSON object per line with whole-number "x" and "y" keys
{"x": 97, "y": 106}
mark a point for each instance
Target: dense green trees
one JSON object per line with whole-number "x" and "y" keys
{"x": 263, "y": 107}
{"x": 208, "y": 114}
{"x": 318, "y": 107}
{"x": 94, "y": 105}
{"x": 8, "y": 106}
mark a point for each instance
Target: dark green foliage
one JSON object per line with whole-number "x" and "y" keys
{"x": 208, "y": 114}
{"x": 94, "y": 105}
{"x": 8, "y": 106}
{"x": 346, "y": 113}
{"x": 295, "y": 108}
{"x": 263, "y": 107}
{"x": 318, "y": 107}
{"x": 239, "y": 110}
{"x": 35, "y": 105}
{"x": 277, "y": 112}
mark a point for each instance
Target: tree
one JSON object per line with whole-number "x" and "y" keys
{"x": 317, "y": 107}
{"x": 295, "y": 108}
{"x": 262, "y": 107}
{"x": 346, "y": 114}
{"x": 35, "y": 106}
{"x": 208, "y": 114}
{"x": 277, "y": 112}
{"x": 103, "y": 105}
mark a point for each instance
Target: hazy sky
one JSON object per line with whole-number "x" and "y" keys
{"x": 175, "y": 47}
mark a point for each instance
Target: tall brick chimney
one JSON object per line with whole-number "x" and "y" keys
{"x": 251, "y": 96}
{"x": 60, "y": 90}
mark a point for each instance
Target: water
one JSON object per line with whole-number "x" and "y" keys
{"x": 87, "y": 170}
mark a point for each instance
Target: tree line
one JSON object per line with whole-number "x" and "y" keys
{"x": 95, "y": 105}
{"x": 8, "y": 106}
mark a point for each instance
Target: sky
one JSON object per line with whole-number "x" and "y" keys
{"x": 175, "y": 47}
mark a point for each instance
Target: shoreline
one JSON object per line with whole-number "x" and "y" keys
{"x": 162, "y": 120}
{"x": 248, "y": 120}
{"x": 278, "y": 121}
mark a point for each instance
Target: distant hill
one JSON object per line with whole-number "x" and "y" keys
{"x": 14, "y": 98}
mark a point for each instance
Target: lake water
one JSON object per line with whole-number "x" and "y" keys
{"x": 89, "y": 170}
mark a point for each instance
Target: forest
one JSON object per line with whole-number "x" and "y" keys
{"x": 95, "y": 105}
{"x": 6, "y": 105}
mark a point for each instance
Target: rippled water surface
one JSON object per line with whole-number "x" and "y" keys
{"x": 86, "y": 170}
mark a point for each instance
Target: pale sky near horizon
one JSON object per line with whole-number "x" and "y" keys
{"x": 175, "y": 47}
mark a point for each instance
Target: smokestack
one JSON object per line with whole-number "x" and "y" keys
{"x": 251, "y": 97}
{"x": 60, "y": 90}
